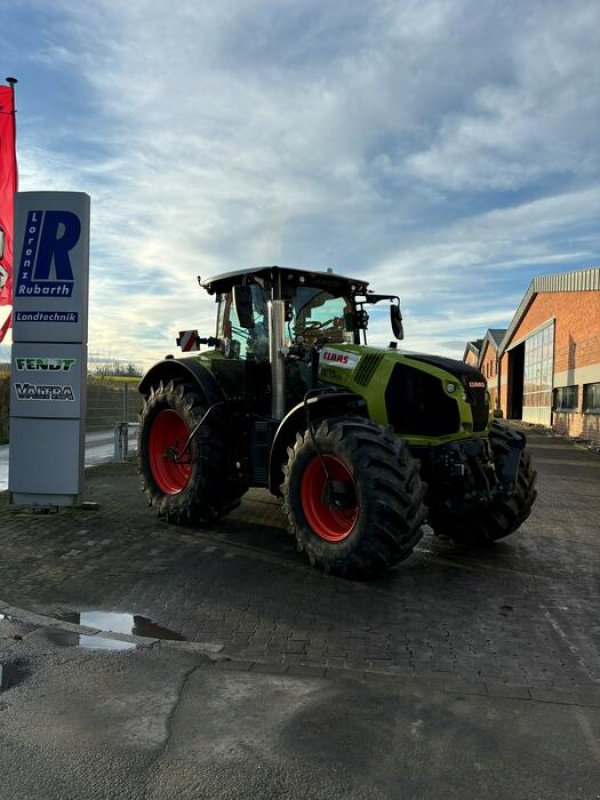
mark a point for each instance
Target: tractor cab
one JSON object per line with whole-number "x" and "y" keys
{"x": 284, "y": 317}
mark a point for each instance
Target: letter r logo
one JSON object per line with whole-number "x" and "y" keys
{"x": 59, "y": 235}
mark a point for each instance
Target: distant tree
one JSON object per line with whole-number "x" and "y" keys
{"x": 116, "y": 369}
{"x": 133, "y": 371}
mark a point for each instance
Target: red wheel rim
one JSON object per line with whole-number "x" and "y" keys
{"x": 168, "y": 436}
{"x": 329, "y": 523}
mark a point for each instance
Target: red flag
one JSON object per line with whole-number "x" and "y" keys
{"x": 8, "y": 187}
{"x": 5, "y": 326}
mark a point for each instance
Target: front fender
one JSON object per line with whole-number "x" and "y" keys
{"x": 322, "y": 406}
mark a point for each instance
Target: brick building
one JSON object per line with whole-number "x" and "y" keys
{"x": 489, "y": 362}
{"x": 472, "y": 351}
{"x": 549, "y": 357}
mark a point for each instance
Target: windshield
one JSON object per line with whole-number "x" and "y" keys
{"x": 319, "y": 317}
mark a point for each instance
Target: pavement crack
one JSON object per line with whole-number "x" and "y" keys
{"x": 79, "y": 659}
{"x": 169, "y": 725}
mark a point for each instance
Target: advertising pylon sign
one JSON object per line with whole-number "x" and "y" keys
{"x": 49, "y": 351}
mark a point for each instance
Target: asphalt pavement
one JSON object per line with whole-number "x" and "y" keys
{"x": 143, "y": 660}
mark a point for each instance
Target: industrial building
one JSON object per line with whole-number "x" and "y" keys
{"x": 545, "y": 369}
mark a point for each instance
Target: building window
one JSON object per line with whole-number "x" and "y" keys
{"x": 538, "y": 368}
{"x": 591, "y": 398}
{"x": 566, "y": 398}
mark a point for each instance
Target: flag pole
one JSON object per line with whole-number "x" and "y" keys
{"x": 11, "y": 82}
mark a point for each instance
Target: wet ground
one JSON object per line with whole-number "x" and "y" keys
{"x": 524, "y": 612}
{"x": 455, "y": 655}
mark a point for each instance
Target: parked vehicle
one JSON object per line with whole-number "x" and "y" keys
{"x": 363, "y": 444}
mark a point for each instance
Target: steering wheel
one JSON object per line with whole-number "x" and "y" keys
{"x": 314, "y": 326}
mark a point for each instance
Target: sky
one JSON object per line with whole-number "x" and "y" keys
{"x": 444, "y": 150}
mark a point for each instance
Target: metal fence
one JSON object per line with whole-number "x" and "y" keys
{"x": 110, "y": 402}
{"x": 113, "y": 405}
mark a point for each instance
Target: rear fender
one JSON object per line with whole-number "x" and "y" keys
{"x": 188, "y": 370}
{"x": 329, "y": 404}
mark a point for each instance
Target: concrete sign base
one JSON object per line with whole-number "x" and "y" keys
{"x": 42, "y": 477}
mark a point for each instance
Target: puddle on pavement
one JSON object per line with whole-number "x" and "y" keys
{"x": 96, "y": 642}
{"x": 110, "y": 622}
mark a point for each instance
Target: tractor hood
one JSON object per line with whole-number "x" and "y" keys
{"x": 348, "y": 357}
{"x": 418, "y": 394}
{"x": 452, "y": 365}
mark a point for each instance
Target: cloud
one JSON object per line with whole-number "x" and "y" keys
{"x": 429, "y": 147}
{"x": 521, "y": 131}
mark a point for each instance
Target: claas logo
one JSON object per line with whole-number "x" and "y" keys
{"x": 337, "y": 358}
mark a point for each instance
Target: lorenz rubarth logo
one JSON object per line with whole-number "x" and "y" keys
{"x": 45, "y": 269}
{"x": 31, "y": 391}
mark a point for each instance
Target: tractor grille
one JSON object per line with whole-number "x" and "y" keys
{"x": 366, "y": 368}
{"x": 416, "y": 404}
{"x": 473, "y": 382}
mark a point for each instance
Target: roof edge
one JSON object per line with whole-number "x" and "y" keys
{"x": 581, "y": 280}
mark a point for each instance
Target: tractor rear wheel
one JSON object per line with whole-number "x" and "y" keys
{"x": 502, "y": 516}
{"x": 353, "y": 497}
{"x": 185, "y": 479}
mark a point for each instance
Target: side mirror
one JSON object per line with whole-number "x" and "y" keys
{"x": 242, "y": 302}
{"x": 396, "y": 320}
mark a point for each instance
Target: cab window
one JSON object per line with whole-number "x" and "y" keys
{"x": 237, "y": 341}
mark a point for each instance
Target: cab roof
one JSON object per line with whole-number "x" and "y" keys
{"x": 285, "y": 278}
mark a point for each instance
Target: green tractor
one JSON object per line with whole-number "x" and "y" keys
{"x": 363, "y": 444}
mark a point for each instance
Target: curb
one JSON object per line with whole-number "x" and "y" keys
{"x": 209, "y": 649}
{"x": 579, "y": 695}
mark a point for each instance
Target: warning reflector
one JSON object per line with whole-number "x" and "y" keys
{"x": 188, "y": 340}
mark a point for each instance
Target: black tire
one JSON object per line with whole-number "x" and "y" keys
{"x": 381, "y": 521}
{"x": 184, "y": 487}
{"x": 505, "y": 514}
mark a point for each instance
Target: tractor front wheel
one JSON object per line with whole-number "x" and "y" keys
{"x": 354, "y": 498}
{"x": 506, "y": 513}
{"x": 184, "y": 470}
